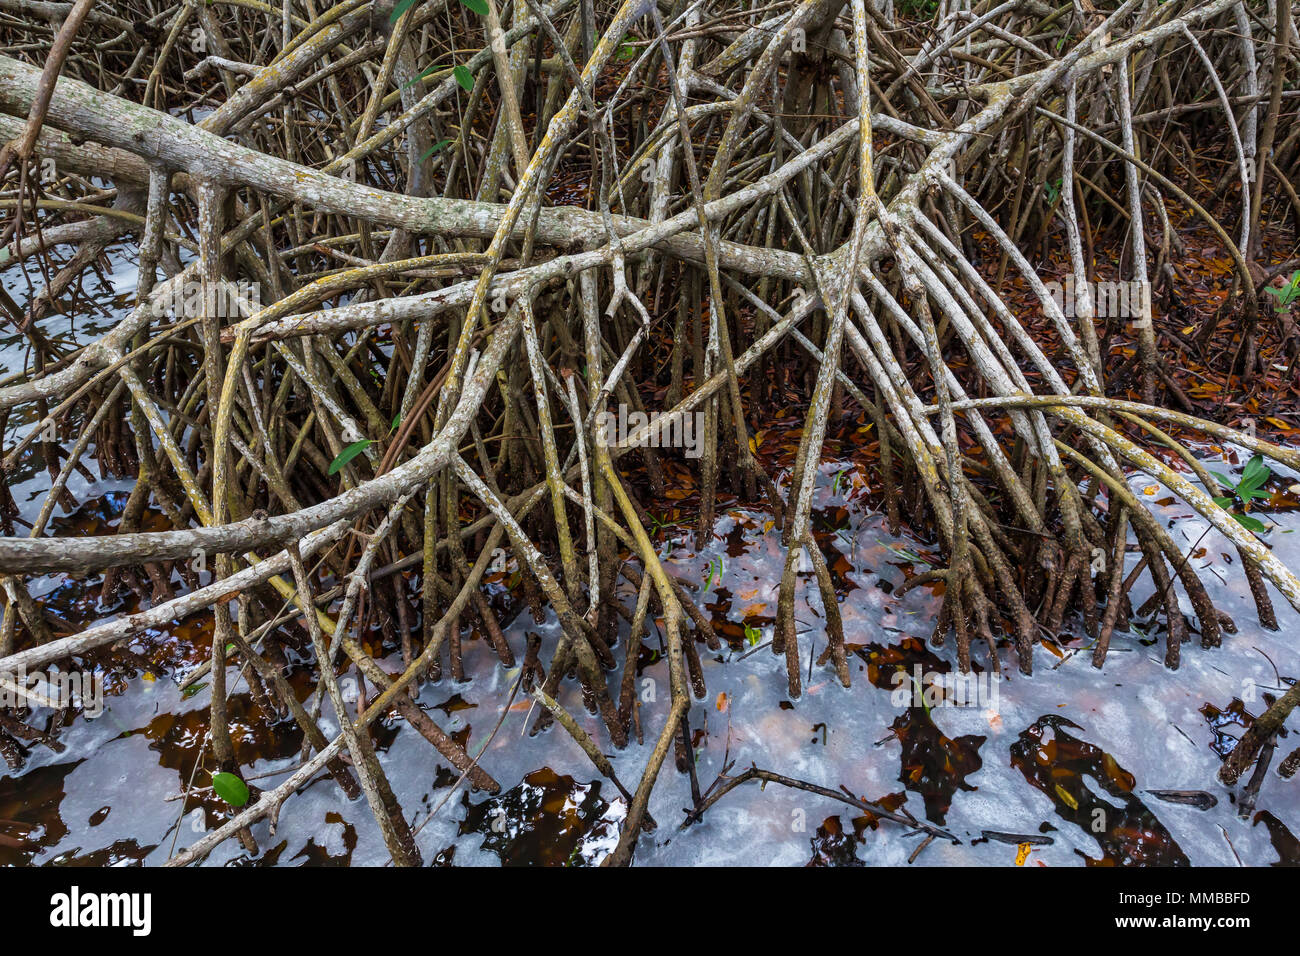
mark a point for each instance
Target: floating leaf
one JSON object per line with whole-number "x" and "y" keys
{"x": 465, "y": 78}
{"x": 1066, "y": 797}
{"x": 347, "y": 454}
{"x": 230, "y": 789}
{"x": 1249, "y": 523}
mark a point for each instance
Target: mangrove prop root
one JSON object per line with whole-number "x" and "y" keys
{"x": 377, "y": 339}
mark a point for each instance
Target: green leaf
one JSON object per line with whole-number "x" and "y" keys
{"x": 347, "y": 454}
{"x": 230, "y": 789}
{"x": 478, "y": 6}
{"x": 1224, "y": 480}
{"x": 441, "y": 144}
{"x": 752, "y": 635}
{"x": 1245, "y": 490}
{"x": 1223, "y": 502}
{"x": 920, "y": 692}
{"x": 424, "y": 75}
{"x": 715, "y": 573}
{"x": 1255, "y": 472}
{"x": 1249, "y": 523}
{"x": 402, "y": 7}
{"x": 1262, "y": 495}
{"x": 1287, "y": 294}
{"x": 465, "y": 78}
{"x": 397, "y": 420}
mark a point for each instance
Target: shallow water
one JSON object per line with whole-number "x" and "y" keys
{"x": 1068, "y": 755}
